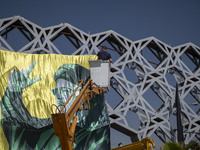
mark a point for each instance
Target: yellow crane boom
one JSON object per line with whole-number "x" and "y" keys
{"x": 144, "y": 144}
{"x": 61, "y": 121}
{"x": 65, "y": 130}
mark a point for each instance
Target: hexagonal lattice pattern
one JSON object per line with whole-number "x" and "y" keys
{"x": 144, "y": 75}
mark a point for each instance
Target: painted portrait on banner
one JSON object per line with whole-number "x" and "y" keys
{"x": 30, "y": 84}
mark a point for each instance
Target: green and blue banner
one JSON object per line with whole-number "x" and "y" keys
{"x": 29, "y": 85}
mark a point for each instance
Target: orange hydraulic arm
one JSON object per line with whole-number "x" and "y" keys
{"x": 61, "y": 121}
{"x": 144, "y": 144}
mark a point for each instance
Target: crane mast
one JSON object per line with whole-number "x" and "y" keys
{"x": 62, "y": 125}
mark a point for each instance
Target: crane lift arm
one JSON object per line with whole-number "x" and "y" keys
{"x": 144, "y": 144}
{"x": 62, "y": 125}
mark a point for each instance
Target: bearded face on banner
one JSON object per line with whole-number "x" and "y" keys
{"x": 28, "y": 93}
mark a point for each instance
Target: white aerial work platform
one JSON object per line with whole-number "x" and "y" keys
{"x": 100, "y": 73}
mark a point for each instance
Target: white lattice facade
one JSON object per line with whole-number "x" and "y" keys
{"x": 143, "y": 78}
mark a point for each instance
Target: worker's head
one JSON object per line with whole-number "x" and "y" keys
{"x": 67, "y": 79}
{"x": 104, "y": 48}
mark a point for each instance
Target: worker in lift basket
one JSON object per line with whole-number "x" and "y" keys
{"x": 104, "y": 55}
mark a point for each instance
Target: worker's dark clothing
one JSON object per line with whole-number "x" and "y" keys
{"x": 103, "y": 55}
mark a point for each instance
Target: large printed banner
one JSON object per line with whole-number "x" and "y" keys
{"x": 29, "y": 85}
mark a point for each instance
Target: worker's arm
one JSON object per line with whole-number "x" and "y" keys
{"x": 110, "y": 60}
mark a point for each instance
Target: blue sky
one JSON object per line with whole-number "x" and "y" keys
{"x": 173, "y": 22}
